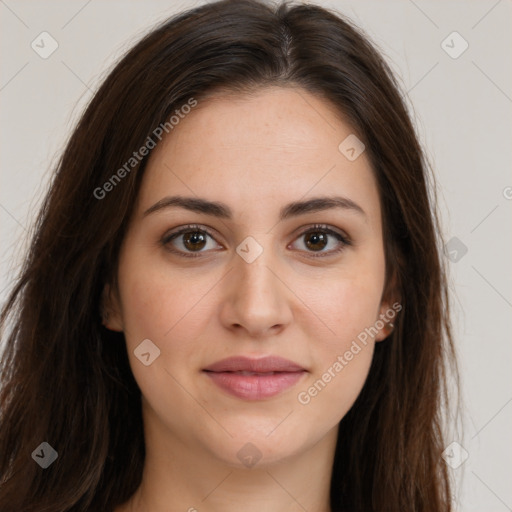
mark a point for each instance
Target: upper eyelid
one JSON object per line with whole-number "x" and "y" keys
{"x": 299, "y": 231}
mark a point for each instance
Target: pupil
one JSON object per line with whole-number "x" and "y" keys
{"x": 193, "y": 237}
{"x": 316, "y": 237}
{"x": 314, "y": 240}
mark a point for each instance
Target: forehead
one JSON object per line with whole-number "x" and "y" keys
{"x": 278, "y": 144}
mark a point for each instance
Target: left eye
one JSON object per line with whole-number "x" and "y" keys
{"x": 318, "y": 237}
{"x": 193, "y": 239}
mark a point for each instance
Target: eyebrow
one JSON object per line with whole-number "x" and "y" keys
{"x": 223, "y": 211}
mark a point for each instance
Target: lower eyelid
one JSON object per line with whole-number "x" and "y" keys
{"x": 343, "y": 242}
{"x": 167, "y": 239}
{"x": 342, "y": 239}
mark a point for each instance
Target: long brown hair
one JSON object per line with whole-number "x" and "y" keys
{"x": 66, "y": 379}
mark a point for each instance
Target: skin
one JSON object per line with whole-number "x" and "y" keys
{"x": 255, "y": 154}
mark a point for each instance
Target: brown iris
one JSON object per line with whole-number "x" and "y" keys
{"x": 319, "y": 240}
{"x": 195, "y": 238}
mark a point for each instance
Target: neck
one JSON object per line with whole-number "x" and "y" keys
{"x": 184, "y": 476}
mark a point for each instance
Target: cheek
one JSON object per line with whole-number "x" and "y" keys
{"x": 164, "y": 307}
{"x": 154, "y": 298}
{"x": 349, "y": 304}
{"x": 145, "y": 307}
{"x": 342, "y": 359}
{"x": 337, "y": 383}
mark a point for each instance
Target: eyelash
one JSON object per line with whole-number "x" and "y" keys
{"x": 166, "y": 239}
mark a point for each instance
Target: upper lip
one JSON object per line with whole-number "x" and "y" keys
{"x": 261, "y": 365}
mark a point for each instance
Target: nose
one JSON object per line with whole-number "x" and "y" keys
{"x": 256, "y": 298}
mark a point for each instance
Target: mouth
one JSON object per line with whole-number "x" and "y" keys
{"x": 255, "y": 379}
{"x": 245, "y": 372}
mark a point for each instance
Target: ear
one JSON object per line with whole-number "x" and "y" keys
{"x": 384, "y": 323}
{"x": 388, "y": 310}
{"x": 110, "y": 309}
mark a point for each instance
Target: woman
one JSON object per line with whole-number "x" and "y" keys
{"x": 234, "y": 297}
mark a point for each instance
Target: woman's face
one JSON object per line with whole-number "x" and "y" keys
{"x": 253, "y": 277}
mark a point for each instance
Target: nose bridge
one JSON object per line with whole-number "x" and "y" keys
{"x": 255, "y": 259}
{"x": 257, "y": 296}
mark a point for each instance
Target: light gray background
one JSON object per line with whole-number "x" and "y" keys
{"x": 462, "y": 108}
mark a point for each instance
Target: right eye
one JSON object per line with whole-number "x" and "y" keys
{"x": 189, "y": 241}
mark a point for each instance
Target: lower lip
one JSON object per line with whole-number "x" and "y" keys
{"x": 255, "y": 387}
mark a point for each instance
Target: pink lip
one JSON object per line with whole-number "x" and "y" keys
{"x": 255, "y": 387}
